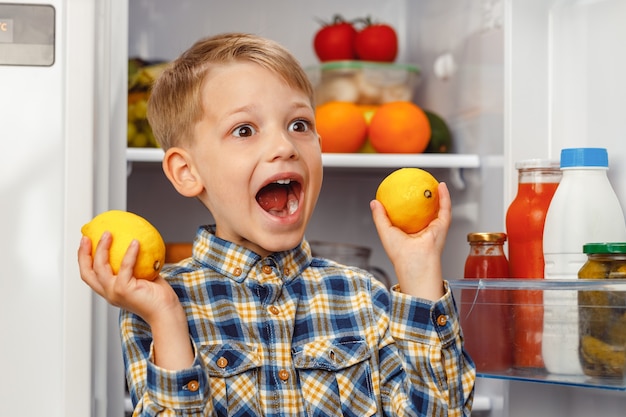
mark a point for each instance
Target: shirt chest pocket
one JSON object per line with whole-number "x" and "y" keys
{"x": 336, "y": 377}
{"x": 233, "y": 373}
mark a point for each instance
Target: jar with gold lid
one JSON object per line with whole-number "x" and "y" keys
{"x": 485, "y": 313}
{"x": 602, "y": 313}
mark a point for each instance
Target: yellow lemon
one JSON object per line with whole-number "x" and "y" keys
{"x": 410, "y": 197}
{"x": 125, "y": 227}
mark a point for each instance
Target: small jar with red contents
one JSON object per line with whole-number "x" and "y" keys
{"x": 485, "y": 312}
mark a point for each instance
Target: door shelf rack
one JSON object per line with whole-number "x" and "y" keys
{"x": 478, "y": 299}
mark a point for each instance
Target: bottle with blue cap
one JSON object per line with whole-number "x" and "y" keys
{"x": 584, "y": 209}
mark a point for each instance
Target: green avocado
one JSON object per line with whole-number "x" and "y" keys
{"x": 441, "y": 137}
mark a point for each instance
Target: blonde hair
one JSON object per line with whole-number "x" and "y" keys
{"x": 175, "y": 104}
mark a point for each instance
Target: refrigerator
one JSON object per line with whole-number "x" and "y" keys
{"x": 514, "y": 79}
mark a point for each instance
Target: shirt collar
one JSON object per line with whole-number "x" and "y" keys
{"x": 235, "y": 261}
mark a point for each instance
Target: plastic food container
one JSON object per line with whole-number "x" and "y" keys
{"x": 602, "y": 314}
{"x": 177, "y": 251}
{"x": 363, "y": 82}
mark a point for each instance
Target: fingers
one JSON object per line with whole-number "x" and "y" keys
{"x": 379, "y": 215}
{"x": 125, "y": 274}
{"x": 387, "y": 233}
{"x": 97, "y": 271}
{"x": 445, "y": 205}
{"x": 85, "y": 265}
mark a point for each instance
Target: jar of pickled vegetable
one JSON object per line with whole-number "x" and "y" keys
{"x": 602, "y": 313}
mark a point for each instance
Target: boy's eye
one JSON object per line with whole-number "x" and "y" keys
{"x": 300, "y": 126}
{"x": 244, "y": 131}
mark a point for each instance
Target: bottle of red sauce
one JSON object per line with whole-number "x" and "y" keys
{"x": 485, "y": 313}
{"x": 525, "y": 217}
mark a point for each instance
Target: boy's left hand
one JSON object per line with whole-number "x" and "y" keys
{"x": 416, "y": 257}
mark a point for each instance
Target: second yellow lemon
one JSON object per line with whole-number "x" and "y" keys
{"x": 410, "y": 197}
{"x": 125, "y": 227}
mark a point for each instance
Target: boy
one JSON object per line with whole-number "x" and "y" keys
{"x": 252, "y": 325}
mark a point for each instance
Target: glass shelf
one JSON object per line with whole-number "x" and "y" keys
{"x": 485, "y": 303}
{"x": 354, "y": 160}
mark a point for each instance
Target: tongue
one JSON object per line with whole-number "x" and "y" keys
{"x": 273, "y": 197}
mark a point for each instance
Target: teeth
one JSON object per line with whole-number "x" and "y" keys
{"x": 283, "y": 182}
{"x": 292, "y": 205}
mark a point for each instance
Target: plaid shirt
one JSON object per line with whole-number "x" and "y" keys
{"x": 292, "y": 335}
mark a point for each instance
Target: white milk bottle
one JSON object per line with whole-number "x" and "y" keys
{"x": 584, "y": 209}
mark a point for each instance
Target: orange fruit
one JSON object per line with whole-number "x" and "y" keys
{"x": 341, "y": 125}
{"x": 399, "y": 127}
{"x": 410, "y": 197}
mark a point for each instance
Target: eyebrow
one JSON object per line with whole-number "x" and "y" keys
{"x": 250, "y": 108}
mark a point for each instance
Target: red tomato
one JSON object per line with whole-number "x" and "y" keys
{"x": 377, "y": 42}
{"x": 335, "y": 41}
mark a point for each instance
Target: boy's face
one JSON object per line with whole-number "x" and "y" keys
{"x": 258, "y": 157}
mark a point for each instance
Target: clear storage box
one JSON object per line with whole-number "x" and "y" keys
{"x": 363, "y": 82}
{"x": 474, "y": 298}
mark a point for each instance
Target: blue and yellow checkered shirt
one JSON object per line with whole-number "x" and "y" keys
{"x": 292, "y": 335}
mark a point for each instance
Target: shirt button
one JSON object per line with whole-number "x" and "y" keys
{"x": 193, "y": 386}
{"x": 274, "y": 310}
{"x": 237, "y": 271}
{"x": 283, "y": 375}
{"x": 222, "y": 362}
{"x": 442, "y": 320}
{"x": 267, "y": 269}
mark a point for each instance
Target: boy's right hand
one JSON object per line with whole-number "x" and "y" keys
{"x": 148, "y": 299}
{"x": 154, "y": 301}
{"x": 416, "y": 257}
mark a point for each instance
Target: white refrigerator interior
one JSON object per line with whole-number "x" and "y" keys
{"x": 564, "y": 88}
{"x": 514, "y": 79}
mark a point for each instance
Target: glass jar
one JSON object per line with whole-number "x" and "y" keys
{"x": 485, "y": 313}
{"x": 538, "y": 179}
{"x": 348, "y": 254}
{"x": 602, "y": 314}
{"x": 486, "y": 257}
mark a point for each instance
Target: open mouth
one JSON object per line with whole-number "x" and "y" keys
{"x": 280, "y": 198}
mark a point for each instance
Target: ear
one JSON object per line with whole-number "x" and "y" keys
{"x": 179, "y": 169}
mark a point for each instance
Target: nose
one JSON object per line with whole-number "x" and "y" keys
{"x": 281, "y": 145}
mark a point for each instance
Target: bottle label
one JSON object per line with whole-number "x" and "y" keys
{"x": 560, "y": 332}
{"x": 560, "y": 316}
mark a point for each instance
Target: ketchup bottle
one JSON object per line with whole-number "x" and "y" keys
{"x": 537, "y": 181}
{"x": 485, "y": 313}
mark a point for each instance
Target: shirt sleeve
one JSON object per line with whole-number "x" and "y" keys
{"x": 154, "y": 390}
{"x": 439, "y": 372}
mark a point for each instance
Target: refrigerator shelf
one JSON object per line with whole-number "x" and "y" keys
{"x": 482, "y": 301}
{"x": 353, "y": 160}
